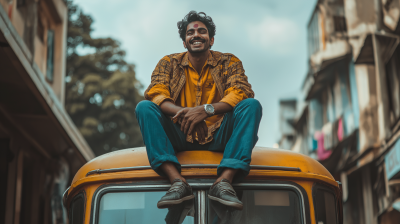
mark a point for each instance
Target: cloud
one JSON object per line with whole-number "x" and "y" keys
{"x": 274, "y": 34}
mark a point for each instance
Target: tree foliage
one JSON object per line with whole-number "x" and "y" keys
{"x": 101, "y": 89}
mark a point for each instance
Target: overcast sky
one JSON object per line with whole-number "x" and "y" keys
{"x": 269, "y": 36}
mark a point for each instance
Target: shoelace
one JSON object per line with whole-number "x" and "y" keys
{"x": 225, "y": 187}
{"x": 177, "y": 188}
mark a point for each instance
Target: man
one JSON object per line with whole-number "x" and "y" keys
{"x": 211, "y": 104}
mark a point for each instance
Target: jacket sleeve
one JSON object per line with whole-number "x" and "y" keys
{"x": 237, "y": 86}
{"x": 159, "y": 89}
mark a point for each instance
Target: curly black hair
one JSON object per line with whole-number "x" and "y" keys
{"x": 193, "y": 16}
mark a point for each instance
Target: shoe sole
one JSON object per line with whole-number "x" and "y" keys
{"x": 227, "y": 203}
{"x": 169, "y": 203}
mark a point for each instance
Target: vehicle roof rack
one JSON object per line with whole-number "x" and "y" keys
{"x": 258, "y": 167}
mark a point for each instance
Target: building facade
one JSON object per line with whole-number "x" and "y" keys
{"x": 287, "y": 113}
{"x": 350, "y": 114}
{"x": 40, "y": 146}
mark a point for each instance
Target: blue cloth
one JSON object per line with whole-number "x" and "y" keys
{"x": 236, "y": 136}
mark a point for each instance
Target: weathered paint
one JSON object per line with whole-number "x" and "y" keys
{"x": 369, "y": 132}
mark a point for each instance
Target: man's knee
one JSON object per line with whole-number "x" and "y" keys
{"x": 252, "y": 104}
{"x": 144, "y": 106}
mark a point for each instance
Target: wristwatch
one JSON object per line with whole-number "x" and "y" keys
{"x": 209, "y": 109}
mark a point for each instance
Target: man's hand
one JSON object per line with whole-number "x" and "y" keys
{"x": 202, "y": 131}
{"x": 190, "y": 117}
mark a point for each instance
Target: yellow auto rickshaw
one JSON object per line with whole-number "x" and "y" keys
{"x": 283, "y": 187}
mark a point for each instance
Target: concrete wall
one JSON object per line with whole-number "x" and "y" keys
{"x": 367, "y": 100}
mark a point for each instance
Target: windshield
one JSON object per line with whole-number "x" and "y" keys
{"x": 141, "y": 208}
{"x": 259, "y": 207}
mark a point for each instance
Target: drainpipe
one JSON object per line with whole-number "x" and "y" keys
{"x": 378, "y": 14}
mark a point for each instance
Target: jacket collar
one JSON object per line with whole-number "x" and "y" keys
{"x": 213, "y": 58}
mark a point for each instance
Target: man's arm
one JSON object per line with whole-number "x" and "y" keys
{"x": 222, "y": 108}
{"x": 159, "y": 90}
{"x": 237, "y": 86}
{"x": 169, "y": 108}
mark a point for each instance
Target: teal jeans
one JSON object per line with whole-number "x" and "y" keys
{"x": 236, "y": 137}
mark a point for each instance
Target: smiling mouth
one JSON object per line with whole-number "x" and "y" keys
{"x": 197, "y": 43}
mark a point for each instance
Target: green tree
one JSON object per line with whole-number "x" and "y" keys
{"x": 101, "y": 89}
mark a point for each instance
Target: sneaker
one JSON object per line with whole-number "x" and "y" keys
{"x": 178, "y": 193}
{"x": 223, "y": 192}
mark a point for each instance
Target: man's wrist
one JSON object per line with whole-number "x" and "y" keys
{"x": 209, "y": 109}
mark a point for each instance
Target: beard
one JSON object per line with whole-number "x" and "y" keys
{"x": 206, "y": 46}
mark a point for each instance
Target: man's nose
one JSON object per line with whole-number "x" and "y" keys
{"x": 196, "y": 34}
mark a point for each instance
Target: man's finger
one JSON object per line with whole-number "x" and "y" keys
{"x": 184, "y": 121}
{"x": 188, "y": 126}
{"x": 178, "y": 114}
{"x": 205, "y": 131}
{"x": 194, "y": 135}
{"x": 200, "y": 133}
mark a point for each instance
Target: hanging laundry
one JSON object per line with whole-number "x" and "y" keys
{"x": 10, "y": 9}
{"x": 314, "y": 144}
{"x": 340, "y": 131}
{"x": 322, "y": 153}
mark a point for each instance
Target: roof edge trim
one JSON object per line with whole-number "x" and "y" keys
{"x": 100, "y": 171}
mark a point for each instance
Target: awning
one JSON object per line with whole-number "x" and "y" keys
{"x": 326, "y": 74}
{"x": 388, "y": 43}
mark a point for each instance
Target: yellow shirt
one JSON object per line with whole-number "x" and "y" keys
{"x": 199, "y": 90}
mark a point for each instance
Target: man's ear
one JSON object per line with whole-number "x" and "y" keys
{"x": 184, "y": 44}
{"x": 212, "y": 41}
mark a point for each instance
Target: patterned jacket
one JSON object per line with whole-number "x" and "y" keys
{"x": 170, "y": 73}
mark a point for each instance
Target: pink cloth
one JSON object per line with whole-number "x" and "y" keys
{"x": 322, "y": 154}
{"x": 340, "y": 132}
{"x": 10, "y": 10}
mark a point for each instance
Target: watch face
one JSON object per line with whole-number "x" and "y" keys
{"x": 210, "y": 109}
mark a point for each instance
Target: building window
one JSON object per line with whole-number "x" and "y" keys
{"x": 313, "y": 34}
{"x": 50, "y": 55}
{"x": 340, "y": 23}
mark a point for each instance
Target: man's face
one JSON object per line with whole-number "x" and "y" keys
{"x": 197, "y": 38}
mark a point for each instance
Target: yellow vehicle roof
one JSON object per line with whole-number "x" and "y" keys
{"x": 262, "y": 156}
